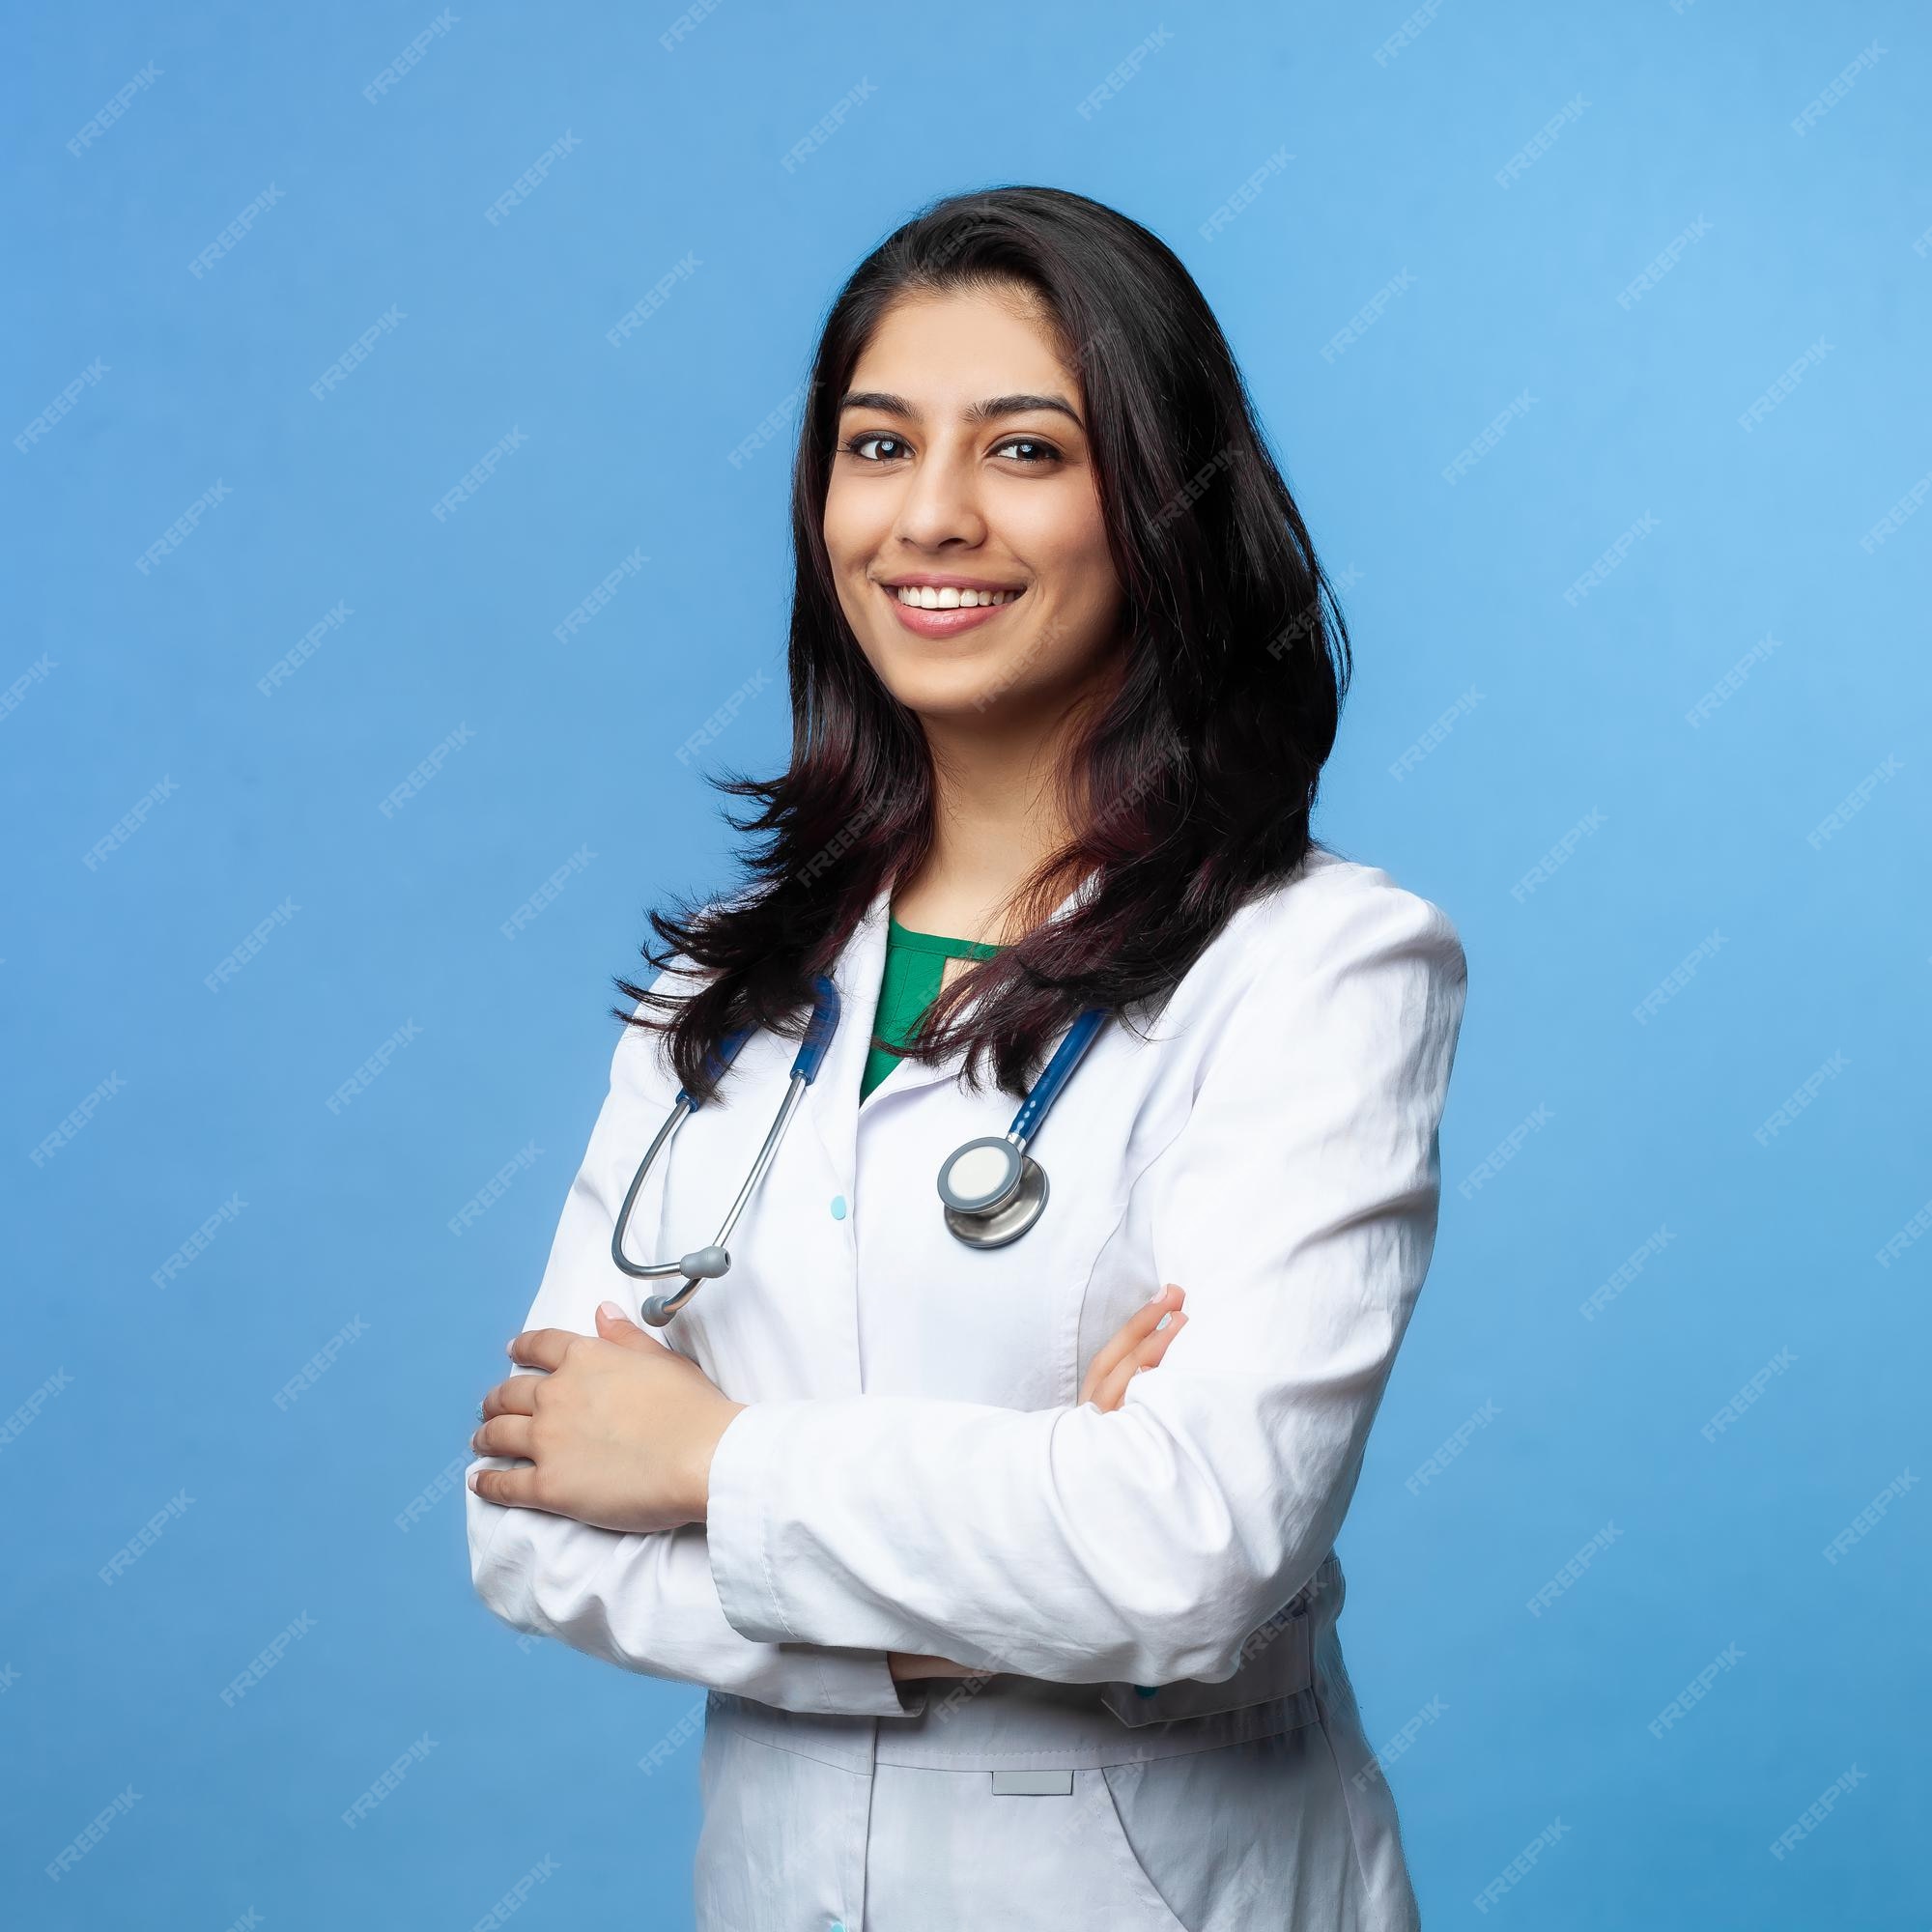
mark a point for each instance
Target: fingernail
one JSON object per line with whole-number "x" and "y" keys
{"x": 1164, "y": 1320}
{"x": 611, "y": 1309}
{"x": 1156, "y": 1295}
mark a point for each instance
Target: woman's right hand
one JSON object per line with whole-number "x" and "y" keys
{"x": 1139, "y": 1343}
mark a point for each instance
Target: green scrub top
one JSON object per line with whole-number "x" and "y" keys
{"x": 915, "y": 965}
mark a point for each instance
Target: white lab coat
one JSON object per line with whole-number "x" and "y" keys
{"x": 915, "y": 1473}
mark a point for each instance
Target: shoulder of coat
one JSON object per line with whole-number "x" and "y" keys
{"x": 1330, "y": 903}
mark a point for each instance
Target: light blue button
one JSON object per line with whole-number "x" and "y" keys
{"x": 838, "y": 1214}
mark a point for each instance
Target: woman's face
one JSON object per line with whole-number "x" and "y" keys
{"x": 962, "y": 460}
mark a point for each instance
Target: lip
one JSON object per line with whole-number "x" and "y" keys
{"x": 925, "y": 623}
{"x": 939, "y": 580}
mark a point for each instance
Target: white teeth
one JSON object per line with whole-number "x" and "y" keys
{"x": 924, "y": 597}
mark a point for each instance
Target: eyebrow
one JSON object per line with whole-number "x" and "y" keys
{"x": 974, "y": 413}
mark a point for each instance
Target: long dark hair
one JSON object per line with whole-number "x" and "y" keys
{"x": 1195, "y": 776}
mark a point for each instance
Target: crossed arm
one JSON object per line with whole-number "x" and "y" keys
{"x": 617, "y": 1432}
{"x": 1074, "y": 1545}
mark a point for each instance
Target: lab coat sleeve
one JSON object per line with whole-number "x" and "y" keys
{"x": 646, "y": 1603}
{"x": 1297, "y": 1207}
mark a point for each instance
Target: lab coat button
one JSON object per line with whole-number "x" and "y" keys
{"x": 838, "y": 1214}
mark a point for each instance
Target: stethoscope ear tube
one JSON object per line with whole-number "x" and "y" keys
{"x": 819, "y": 1032}
{"x": 1058, "y": 1072}
{"x": 707, "y": 1263}
{"x": 683, "y": 1105}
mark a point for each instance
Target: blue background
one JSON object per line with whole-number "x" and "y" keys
{"x": 1578, "y": 707}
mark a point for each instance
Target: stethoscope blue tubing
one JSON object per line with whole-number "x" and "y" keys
{"x": 826, "y": 1011}
{"x": 1019, "y": 1197}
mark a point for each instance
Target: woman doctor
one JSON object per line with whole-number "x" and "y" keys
{"x": 999, "y": 1631}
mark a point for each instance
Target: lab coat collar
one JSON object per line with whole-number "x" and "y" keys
{"x": 834, "y": 1105}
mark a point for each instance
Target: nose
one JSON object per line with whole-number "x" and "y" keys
{"x": 941, "y": 504}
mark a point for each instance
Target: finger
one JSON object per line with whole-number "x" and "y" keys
{"x": 917, "y": 1664}
{"x": 1130, "y": 1336}
{"x": 1160, "y": 1342}
{"x": 1114, "y": 1390}
{"x": 542, "y": 1347}
{"x": 1131, "y": 1331}
{"x": 514, "y": 1488}
{"x": 614, "y": 1325}
{"x": 515, "y": 1395}
{"x": 504, "y": 1436}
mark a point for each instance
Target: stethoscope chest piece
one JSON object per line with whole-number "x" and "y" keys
{"x": 992, "y": 1190}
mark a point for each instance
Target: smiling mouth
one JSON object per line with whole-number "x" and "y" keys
{"x": 939, "y": 615}
{"x": 925, "y": 597}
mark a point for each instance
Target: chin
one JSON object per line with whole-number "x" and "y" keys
{"x": 958, "y": 693}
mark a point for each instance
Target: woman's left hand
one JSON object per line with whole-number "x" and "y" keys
{"x": 618, "y": 1434}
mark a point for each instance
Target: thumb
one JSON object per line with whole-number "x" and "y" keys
{"x": 614, "y": 1325}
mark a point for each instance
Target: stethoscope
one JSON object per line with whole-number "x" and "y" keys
{"x": 992, "y": 1188}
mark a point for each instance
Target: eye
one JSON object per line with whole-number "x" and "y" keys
{"x": 1036, "y": 449}
{"x": 1047, "y": 452}
{"x": 854, "y": 445}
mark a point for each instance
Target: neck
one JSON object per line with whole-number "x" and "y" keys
{"x": 997, "y": 816}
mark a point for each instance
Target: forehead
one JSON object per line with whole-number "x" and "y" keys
{"x": 944, "y": 350}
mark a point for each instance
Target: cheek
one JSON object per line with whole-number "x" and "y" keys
{"x": 1069, "y": 555}
{"x": 860, "y": 508}
{"x": 1081, "y": 620}
{"x": 848, "y": 532}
